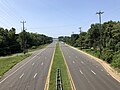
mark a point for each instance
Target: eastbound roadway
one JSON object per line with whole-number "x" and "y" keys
{"x": 31, "y": 73}
{"x": 87, "y": 74}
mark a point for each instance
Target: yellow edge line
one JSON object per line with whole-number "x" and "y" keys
{"x": 48, "y": 76}
{"x": 69, "y": 75}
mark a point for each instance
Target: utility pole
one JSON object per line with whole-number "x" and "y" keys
{"x": 100, "y": 28}
{"x": 24, "y": 39}
{"x": 80, "y": 38}
{"x": 80, "y": 29}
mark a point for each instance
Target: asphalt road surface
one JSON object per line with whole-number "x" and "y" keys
{"x": 87, "y": 74}
{"x": 31, "y": 73}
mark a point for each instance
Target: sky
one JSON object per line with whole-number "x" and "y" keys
{"x": 56, "y": 18}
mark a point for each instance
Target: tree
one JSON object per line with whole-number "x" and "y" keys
{"x": 81, "y": 40}
{"x": 93, "y": 36}
{"x": 74, "y": 37}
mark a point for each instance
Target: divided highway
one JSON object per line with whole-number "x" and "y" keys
{"x": 31, "y": 73}
{"x": 87, "y": 74}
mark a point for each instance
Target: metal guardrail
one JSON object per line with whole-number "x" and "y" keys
{"x": 58, "y": 80}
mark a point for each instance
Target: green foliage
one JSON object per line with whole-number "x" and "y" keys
{"x": 33, "y": 47}
{"x": 7, "y": 63}
{"x": 11, "y": 43}
{"x": 95, "y": 53}
{"x": 96, "y": 40}
{"x": 81, "y": 40}
{"x": 107, "y": 55}
{"x": 8, "y": 42}
{"x": 74, "y": 37}
{"x": 116, "y": 60}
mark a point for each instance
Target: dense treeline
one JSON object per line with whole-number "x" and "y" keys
{"x": 91, "y": 40}
{"x": 10, "y": 42}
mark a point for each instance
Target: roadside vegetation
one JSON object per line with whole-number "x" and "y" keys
{"x": 8, "y": 62}
{"x": 90, "y": 42}
{"x": 11, "y": 43}
{"x": 34, "y": 48}
{"x": 58, "y": 63}
{"x": 12, "y": 46}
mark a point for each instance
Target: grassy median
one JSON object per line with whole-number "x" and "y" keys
{"x": 8, "y": 62}
{"x": 58, "y": 62}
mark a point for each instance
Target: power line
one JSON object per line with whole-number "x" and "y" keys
{"x": 6, "y": 15}
{"x": 10, "y": 9}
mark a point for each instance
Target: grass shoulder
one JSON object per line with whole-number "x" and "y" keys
{"x": 34, "y": 48}
{"x": 58, "y": 62}
{"x": 8, "y": 62}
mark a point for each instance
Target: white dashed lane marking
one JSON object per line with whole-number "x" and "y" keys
{"x": 42, "y": 63}
{"x": 73, "y": 61}
{"x": 81, "y": 72}
{"x": 93, "y": 72}
{"x": 21, "y": 75}
{"x": 33, "y": 64}
{"x": 82, "y": 62}
{"x": 35, "y": 75}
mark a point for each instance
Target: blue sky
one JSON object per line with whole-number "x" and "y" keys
{"x": 56, "y": 17}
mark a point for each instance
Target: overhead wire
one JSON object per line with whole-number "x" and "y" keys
{"x": 9, "y": 13}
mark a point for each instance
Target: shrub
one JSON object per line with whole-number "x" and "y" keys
{"x": 116, "y": 60}
{"x": 33, "y": 47}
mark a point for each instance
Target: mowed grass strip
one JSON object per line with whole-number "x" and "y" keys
{"x": 8, "y": 62}
{"x": 34, "y": 48}
{"x": 58, "y": 62}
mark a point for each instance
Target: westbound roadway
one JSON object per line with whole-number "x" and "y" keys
{"x": 87, "y": 74}
{"x": 31, "y": 73}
